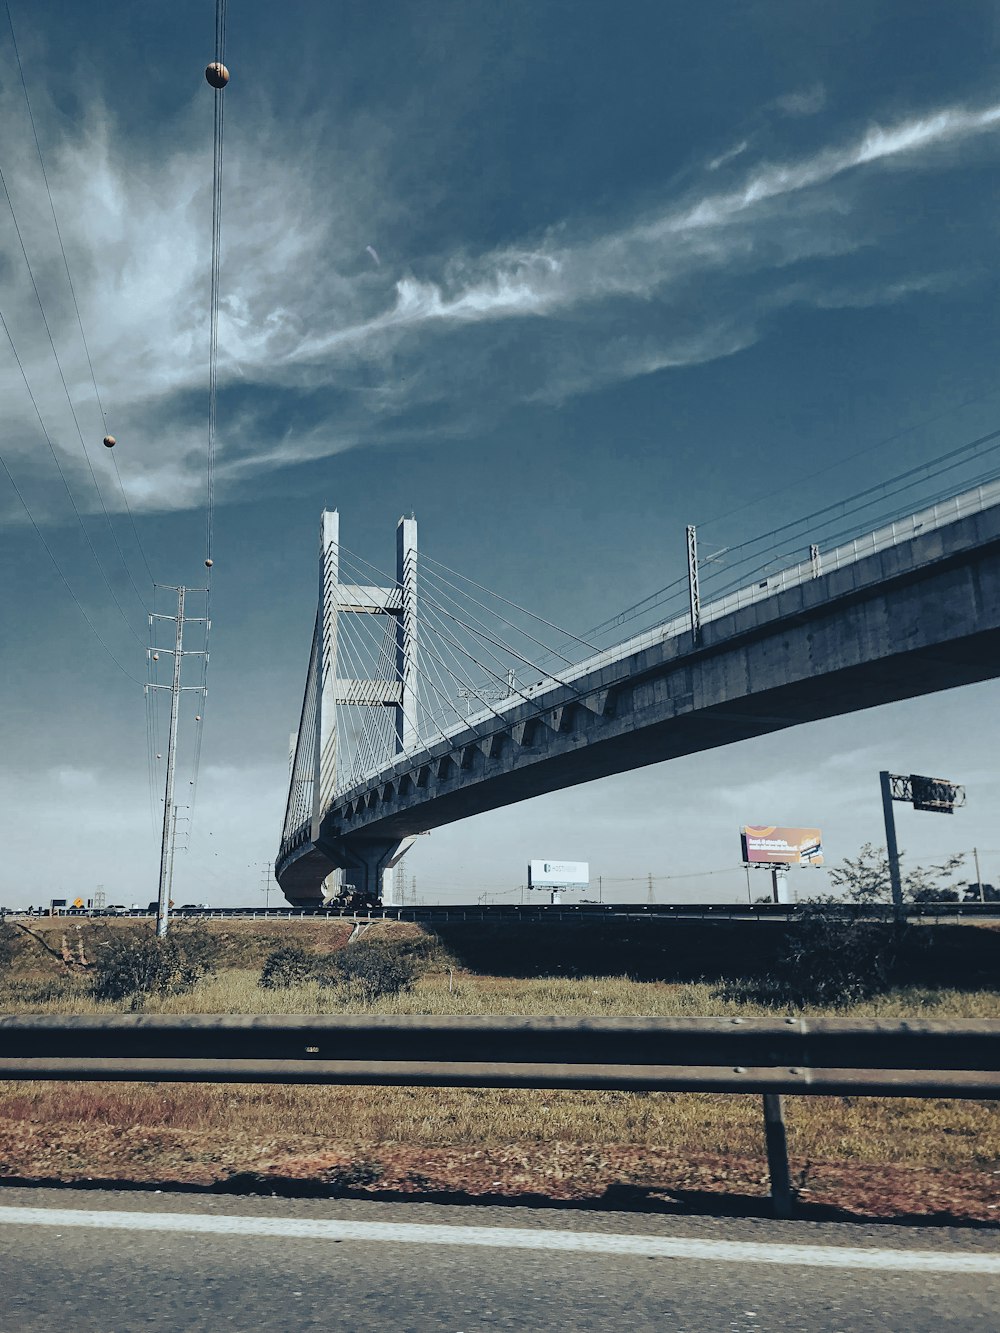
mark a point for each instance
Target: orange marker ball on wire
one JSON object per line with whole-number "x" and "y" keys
{"x": 209, "y": 564}
{"x": 109, "y": 441}
{"x": 217, "y": 74}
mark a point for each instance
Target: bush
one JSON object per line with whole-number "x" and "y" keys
{"x": 288, "y": 965}
{"x": 135, "y": 966}
{"x": 372, "y": 968}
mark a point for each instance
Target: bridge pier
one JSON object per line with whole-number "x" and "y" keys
{"x": 370, "y": 865}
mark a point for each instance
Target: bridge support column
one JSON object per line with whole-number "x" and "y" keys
{"x": 370, "y": 866}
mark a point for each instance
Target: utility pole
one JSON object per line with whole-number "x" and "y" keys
{"x": 176, "y": 689}
{"x": 979, "y": 877}
{"x": 265, "y": 877}
{"x": 173, "y": 849}
{"x": 163, "y": 897}
{"x": 650, "y": 896}
{"x": 890, "y": 841}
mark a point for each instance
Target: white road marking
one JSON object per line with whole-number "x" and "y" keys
{"x": 512, "y": 1238}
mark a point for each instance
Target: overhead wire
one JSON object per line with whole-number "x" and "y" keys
{"x": 213, "y": 353}
{"x": 72, "y": 287}
{"x": 69, "y": 400}
{"x": 910, "y": 479}
{"x": 865, "y": 451}
{"x": 55, "y": 459}
{"x": 218, "y": 139}
{"x": 365, "y": 749}
{"x": 541, "y": 619}
{"x": 450, "y": 640}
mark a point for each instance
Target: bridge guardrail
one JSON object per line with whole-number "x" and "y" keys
{"x": 733, "y": 1055}
{"x": 537, "y": 912}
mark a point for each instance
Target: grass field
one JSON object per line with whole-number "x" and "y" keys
{"x": 204, "y": 1133}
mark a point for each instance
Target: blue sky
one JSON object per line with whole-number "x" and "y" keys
{"x": 634, "y": 260}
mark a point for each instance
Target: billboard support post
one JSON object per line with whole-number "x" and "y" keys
{"x": 774, "y": 883}
{"x": 890, "y": 841}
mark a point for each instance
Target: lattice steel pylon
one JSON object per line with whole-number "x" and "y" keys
{"x": 315, "y": 776}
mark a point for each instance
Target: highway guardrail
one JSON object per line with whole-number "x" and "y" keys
{"x": 819, "y": 1056}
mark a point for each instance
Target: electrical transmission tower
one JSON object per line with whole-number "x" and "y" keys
{"x": 176, "y": 690}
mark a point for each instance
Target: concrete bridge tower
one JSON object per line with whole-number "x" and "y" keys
{"x": 315, "y": 775}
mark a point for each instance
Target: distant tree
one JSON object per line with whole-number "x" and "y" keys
{"x": 865, "y": 879}
{"x": 980, "y": 893}
{"x": 933, "y": 895}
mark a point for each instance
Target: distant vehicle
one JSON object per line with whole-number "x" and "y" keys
{"x": 117, "y": 909}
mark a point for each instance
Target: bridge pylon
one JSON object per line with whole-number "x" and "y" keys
{"x": 316, "y": 776}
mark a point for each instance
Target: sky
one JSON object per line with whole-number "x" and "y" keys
{"x": 556, "y": 278}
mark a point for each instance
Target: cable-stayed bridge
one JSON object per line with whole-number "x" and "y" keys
{"x": 430, "y": 699}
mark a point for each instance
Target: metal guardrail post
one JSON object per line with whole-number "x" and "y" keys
{"x": 777, "y": 1154}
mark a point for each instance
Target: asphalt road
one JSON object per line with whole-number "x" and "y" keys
{"x": 81, "y": 1261}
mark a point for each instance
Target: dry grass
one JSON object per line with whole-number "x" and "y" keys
{"x": 235, "y": 991}
{"x": 876, "y": 1130}
{"x": 202, "y": 1132}
{"x": 913, "y": 1132}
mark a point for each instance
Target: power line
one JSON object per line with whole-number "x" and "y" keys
{"x": 72, "y": 288}
{"x": 866, "y": 450}
{"x": 62, "y": 477}
{"x": 69, "y": 399}
{"x": 213, "y": 351}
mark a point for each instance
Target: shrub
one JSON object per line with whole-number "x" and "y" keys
{"x": 288, "y": 965}
{"x": 372, "y": 968}
{"x": 135, "y": 966}
{"x": 825, "y": 959}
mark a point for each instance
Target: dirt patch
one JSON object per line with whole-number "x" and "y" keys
{"x": 553, "y": 1174}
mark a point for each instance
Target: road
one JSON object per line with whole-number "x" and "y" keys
{"x": 114, "y": 1262}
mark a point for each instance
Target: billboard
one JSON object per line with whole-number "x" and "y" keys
{"x": 936, "y": 794}
{"x": 558, "y": 874}
{"x": 774, "y": 845}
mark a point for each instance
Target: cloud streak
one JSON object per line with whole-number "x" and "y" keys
{"x": 321, "y": 350}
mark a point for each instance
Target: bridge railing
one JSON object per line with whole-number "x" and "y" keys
{"x": 858, "y": 548}
{"x": 733, "y": 1055}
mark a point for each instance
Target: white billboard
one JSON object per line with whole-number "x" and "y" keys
{"x": 558, "y": 874}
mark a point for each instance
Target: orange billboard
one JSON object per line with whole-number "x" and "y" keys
{"x": 772, "y": 844}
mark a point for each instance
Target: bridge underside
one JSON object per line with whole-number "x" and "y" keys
{"x": 905, "y": 622}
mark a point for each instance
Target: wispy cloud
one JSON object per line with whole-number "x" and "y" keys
{"x": 322, "y": 350}
{"x": 803, "y": 101}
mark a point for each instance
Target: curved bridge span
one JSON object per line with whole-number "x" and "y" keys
{"x": 904, "y": 611}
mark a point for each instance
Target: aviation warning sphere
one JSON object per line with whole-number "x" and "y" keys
{"x": 156, "y": 657}
{"x": 109, "y": 441}
{"x": 217, "y": 74}
{"x": 197, "y": 717}
{"x": 208, "y": 564}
